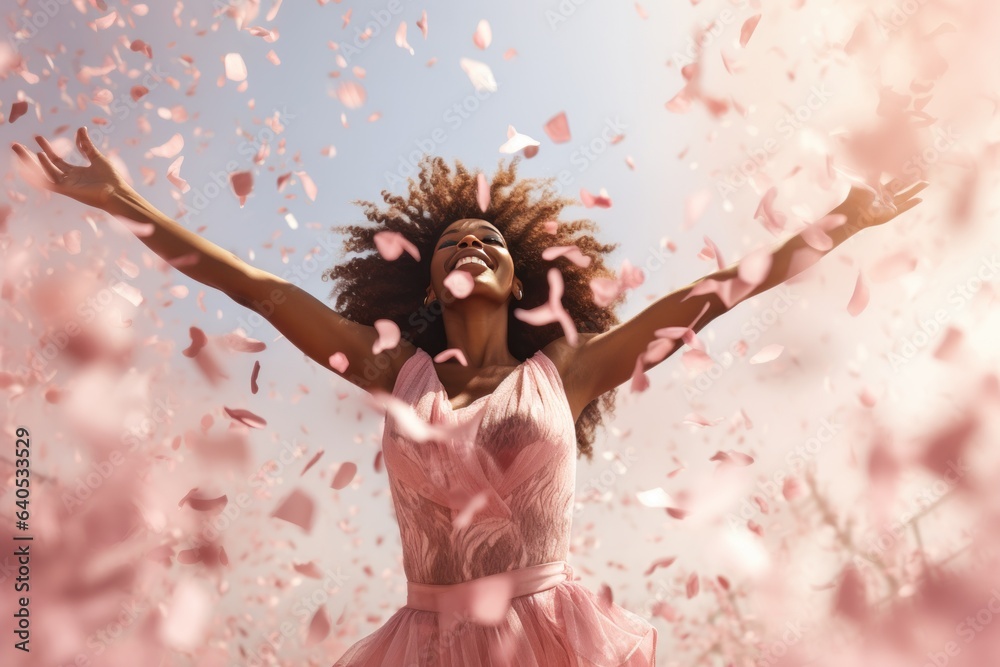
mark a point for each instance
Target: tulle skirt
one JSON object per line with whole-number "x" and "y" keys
{"x": 561, "y": 624}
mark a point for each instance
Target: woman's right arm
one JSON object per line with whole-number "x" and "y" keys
{"x": 304, "y": 320}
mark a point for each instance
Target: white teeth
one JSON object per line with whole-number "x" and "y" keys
{"x": 467, "y": 260}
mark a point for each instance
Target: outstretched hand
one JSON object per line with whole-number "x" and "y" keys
{"x": 93, "y": 184}
{"x": 864, "y": 208}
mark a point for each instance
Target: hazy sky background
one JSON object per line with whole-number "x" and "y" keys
{"x": 605, "y": 66}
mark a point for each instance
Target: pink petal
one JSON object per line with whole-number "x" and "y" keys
{"x": 319, "y": 627}
{"x": 451, "y": 353}
{"x": 392, "y": 244}
{"x": 242, "y": 184}
{"x": 339, "y": 362}
{"x": 774, "y": 221}
{"x": 246, "y": 417}
{"x": 691, "y": 587}
{"x": 17, "y": 109}
{"x": 422, "y": 23}
{"x": 174, "y": 175}
{"x": 859, "y": 299}
{"x": 236, "y": 69}
{"x": 590, "y": 200}
{"x": 307, "y": 185}
{"x": 482, "y": 192}
{"x": 755, "y": 267}
{"x": 240, "y": 343}
{"x": 253, "y": 377}
{"x": 296, "y": 508}
{"x": 351, "y": 94}
{"x": 768, "y": 353}
{"x": 401, "y": 38}
{"x": 481, "y": 76}
{"x": 316, "y": 457}
{"x": 483, "y": 35}
{"x": 198, "y": 341}
{"x": 469, "y": 509}
{"x": 662, "y": 562}
{"x": 459, "y": 283}
{"x": 558, "y": 128}
{"x": 748, "y": 28}
{"x": 570, "y": 252}
{"x": 695, "y": 207}
{"x": 516, "y": 141}
{"x": 388, "y": 336}
{"x": 170, "y": 149}
{"x": 815, "y": 235}
{"x": 344, "y": 476}
{"x": 947, "y": 350}
{"x": 203, "y": 504}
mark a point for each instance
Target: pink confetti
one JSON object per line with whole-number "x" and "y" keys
{"x": 17, "y": 109}
{"x": 768, "y": 353}
{"x": 388, "y": 336}
{"x": 174, "y": 175}
{"x": 253, "y": 377}
{"x": 480, "y": 75}
{"x": 422, "y": 23}
{"x": 307, "y": 185}
{"x": 391, "y": 245}
{"x": 198, "y": 341}
{"x": 570, "y": 252}
{"x": 296, "y": 508}
{"x": 774, "y": 221}
{"x": 662, "y": 562}
{"x": 170, "y": 149}
{"x": 242, "y": 184}
{"x": 344, "y": 476}
{"x": 450, "y": 353}
{"x": 483, "y": 35}
{"x": 558, "y": 128}
{"x": 236, "y": 69}
{"x": 245, "y": 417}
{"x": 482, "y": 192}
{"x": 516, "y": 141}
{"x": 459, "y": 283}
{"x": 692, "y": 586}
{"x": 338, "y": 362}
{"x": 859, "y": 299}
{"x": 590, "y": 201}
{"x": 203, "y": 504}
{"x": 351, "y": 94}
{"x": 694, "y": 207}
{"x": 401, "y": 38}
{"x": 552, "y": 311}
{"x": 319, "y": 627}
{"x": 746, "y": 32}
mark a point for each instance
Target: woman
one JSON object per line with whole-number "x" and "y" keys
{"x": 482, "y": 486}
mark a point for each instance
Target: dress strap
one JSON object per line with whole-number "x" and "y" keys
{"x": 486, "y": 599}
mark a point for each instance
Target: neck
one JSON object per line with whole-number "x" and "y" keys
{"x": 478, "y": 328}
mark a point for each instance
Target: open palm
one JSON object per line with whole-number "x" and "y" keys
{"x": 93, "y": 184}
{"x": 864, "y": 208}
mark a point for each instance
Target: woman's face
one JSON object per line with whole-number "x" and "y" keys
{"x": 475, "y": 247}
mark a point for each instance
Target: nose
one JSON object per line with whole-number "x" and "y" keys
{"x": 470, "y": 239}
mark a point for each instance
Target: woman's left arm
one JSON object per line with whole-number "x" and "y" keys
{"x": 605, "y": 360}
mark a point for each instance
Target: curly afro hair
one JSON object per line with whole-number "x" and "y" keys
{"x": 369, "y": 287}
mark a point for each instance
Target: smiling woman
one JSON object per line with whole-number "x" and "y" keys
{"x": 442, "y": 217}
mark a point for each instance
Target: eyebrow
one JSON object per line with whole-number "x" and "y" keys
{"x": 455, "y": 231}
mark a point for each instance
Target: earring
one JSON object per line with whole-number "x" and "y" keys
{"x": 427, "y": 300}
{"x": 518, "y": 295}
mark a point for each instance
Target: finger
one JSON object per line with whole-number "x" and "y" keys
{"x": 909, "y": 194}
{"x": 906, "y": 206}
{"x": 53, "y": 171}
{"x": 56, "y": 160}
{"x": 30, "y": 170}
{"x": 85, "y": 145}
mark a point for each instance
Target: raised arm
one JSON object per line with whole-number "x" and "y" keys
{"x": 304, "y": 320}
{"x": 603, "y": 361}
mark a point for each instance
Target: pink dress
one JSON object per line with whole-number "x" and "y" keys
{"x": 485, "y": 527}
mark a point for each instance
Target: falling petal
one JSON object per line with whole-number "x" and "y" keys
{"x": 768, "y": 353}
{"x": 388, "y": 336}
{"x": 246, "y": 417}
{"x": 391, "y": 246}
{"x": 460, "y": 283}
{"x": 344, "y": 476}
{"x": 482, "y": 192}
{"x": 558, "y": 128}
{"x": 483, "y": 35}
{"x": 296, "y": 508}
